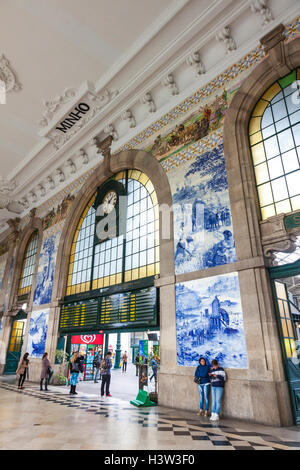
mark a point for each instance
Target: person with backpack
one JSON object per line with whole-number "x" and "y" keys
{"x": 76, "y": 366}
{"x": 202, "y": 379}
{"x": 96, "y": 365}
{"x": 105, "y": 366}
{"x": 218, "y": 378}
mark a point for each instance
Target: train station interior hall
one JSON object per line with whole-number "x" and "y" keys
{"x": 149, "y": 225}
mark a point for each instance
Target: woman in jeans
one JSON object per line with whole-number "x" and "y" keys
{"x": 218, "y": 378}
{"x": 202, "y": 374}
{"x": 75, "y": 367}
{"x": 23, "y": 369}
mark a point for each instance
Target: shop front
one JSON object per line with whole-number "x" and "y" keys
{"x": 87, "y": 346}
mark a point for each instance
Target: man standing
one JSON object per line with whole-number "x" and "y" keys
{"x": 105, "y": 366}
{"x": 124, "y": 362}
{"x": 96, "y": 365}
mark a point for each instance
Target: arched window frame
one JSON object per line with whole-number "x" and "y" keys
{"x": 126, "y": 275}
{"x": 274, "y": 174}
{"x": 26, "y": 277}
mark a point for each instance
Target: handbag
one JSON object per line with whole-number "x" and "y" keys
{"x": 197, "y": 380}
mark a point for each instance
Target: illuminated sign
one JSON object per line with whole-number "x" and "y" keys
{"x": 87, "y": 339}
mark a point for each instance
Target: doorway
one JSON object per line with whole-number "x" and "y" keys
{"x": 286, "y": 291}
{"x": 15, "y": 343}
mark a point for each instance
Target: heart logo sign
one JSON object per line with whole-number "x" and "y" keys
{"x": 88, "y": 338}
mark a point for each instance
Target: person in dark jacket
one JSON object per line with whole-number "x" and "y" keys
{"x": 137, "y": 364}
{"x": 45, "y": 374}
{"x": 75, "y": 368}
{"x": 218, "y": 378}
{"x": 202, "y": 374}
{"x": 105, "y": 367}
{"x": 96, "y": 365}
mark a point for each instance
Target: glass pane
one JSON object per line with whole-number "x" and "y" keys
{"x": 295, "y": 118}
{"x": 258, "y": 153}
{"x": 267, "y": 118}
{"x": 283, "y": 207}
{"x": 265, "y": 194}
{"x": 281, "y": 125}
{"x": 284, "y": 328}
{"x": 275, "y": 167}
{"x": 267, "y": 132}
{"x": 279, "y": 189}
{"x": 293, "y": 181}
{"x": 291, "y": 103}
{"x": 290, "y": 161}
{"x": 296, "y": 133}
{"x": 271, "y": 147}
{"x": 280, "y": 290}
{"x": 268, "y": 211}
{"x": 295, "y": 201}
{"x": 286, "y": 141}
{"x": 279, "y": 110}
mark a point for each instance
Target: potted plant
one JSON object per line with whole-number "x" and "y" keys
{"x": 61, "y": 358}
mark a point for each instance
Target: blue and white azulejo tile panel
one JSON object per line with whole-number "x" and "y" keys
{"x": 37, "y": 333}
{"x": 209, "y": 322}
{"x": 203, "y": 233}
{"x": 45, "y": 275}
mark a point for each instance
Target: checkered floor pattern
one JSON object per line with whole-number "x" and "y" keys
{"x": 216, "y": 435}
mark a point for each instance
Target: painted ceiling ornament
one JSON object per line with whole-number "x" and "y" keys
{"x": 261, "y": 7}
{"x": 7, "y": 187}
{"x": 170, "y": 83}
{"x": 194, "y": 61}
{"x": 7, "y": 75}
{"x": 148, "y": 100}
{"x": 53, "y": 105}
{"x": 225, "y": 36}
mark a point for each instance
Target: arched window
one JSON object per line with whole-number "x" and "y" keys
{"x": 130, "y": 255}
{"x": 28, "y": 265}
{"x": 274, "y": 131}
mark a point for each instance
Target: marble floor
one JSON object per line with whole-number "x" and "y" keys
{"x": 54, "y": 420}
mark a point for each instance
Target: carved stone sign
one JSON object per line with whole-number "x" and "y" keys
{"x": 292, "y": 221}
{"x": 69, "y": 114}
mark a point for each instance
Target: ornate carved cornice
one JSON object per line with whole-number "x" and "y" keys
{"x": 7, "y": 75}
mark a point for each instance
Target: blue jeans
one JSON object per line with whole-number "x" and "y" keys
{"x": 204, "y": 395}
{"x": 216, "y": 394}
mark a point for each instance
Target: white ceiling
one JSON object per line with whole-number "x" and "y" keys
{"x": 56, "y": 44}
{"x": 123, "y": 46}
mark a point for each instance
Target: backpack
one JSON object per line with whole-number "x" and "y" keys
{"x": 103, "y": 365}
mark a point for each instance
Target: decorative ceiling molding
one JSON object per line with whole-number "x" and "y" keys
{"x": 261, "y": 7}
{"x": 67, "y": 114}
{"x": 55, "y": 104}
{"x": 8, "y": 76}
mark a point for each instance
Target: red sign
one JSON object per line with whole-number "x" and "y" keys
{"x": 87, "y": 339}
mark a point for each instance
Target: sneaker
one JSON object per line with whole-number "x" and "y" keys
{"x": 200, "y": 413}
{"x": 206, "y": 414}
{"x": 216, "y": 417}
{"x": 109, "y": 395}
{"x": 212, "y": 418}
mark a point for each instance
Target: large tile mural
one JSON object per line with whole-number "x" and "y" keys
{"x": 209, "y": 322}
{"x": 45, "y": 275}
{"x": 37, "y": 333}
{"x": 203, "y": 233}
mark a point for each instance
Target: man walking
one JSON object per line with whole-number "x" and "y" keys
{"x": 96, "y": 365}
{"x": 124, "y": 362}
{"x": 105, "y": 366}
